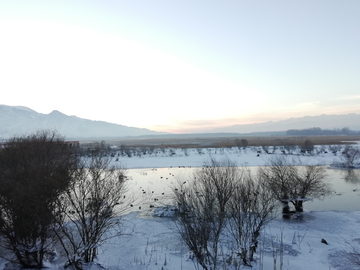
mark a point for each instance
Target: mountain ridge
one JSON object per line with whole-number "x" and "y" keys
{"x": 20, "y": 120}
{"x": 324, "y": 121}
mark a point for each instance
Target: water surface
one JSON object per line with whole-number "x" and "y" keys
{"x": 155, "y": 187}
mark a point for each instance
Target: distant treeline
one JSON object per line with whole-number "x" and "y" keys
{"x": 319, "y": 131}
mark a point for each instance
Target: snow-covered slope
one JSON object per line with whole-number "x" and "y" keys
{"x": 18, "y": 120}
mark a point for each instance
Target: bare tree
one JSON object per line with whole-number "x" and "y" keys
{"x": 322, "y": 149}
{"x": 241, "y": 143}
{"x": 251, "y": 207}
{"x": 308, "y": 146}
{"x": 278, "y": 176}
{"x": 335, "y": 148}
{"x": 34, "y": 170}
{"x": 350, "y": 156}
{"x": 91, "y": 205}
{"x": 351, "y": 176}
{"x": 203, "y": 204}
{"x": 200, "y": 151}
{"x": 290, "y": 148}
{"x": 222, "y": 202}
{"x": 310, "y": 182}
{"x": 266, "y": 148}
{"x": 291, "y": 181}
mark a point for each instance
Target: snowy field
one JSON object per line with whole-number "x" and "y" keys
{"x": 154, "y": 245}
{"x": 191, "y": 158}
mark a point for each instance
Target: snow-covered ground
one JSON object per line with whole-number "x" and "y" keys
{"x": 249, "y": 157}
{"x": 154, "y": 245}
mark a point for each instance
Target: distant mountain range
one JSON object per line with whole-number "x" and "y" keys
{"x": 18, "y": 120}
{"x": 324, "y": 121}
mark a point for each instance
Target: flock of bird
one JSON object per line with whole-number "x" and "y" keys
{"x": 158, "y": 191}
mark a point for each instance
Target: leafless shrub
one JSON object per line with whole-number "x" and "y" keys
{"x": 265, "y": 148}
{"x": 251, "y": 207}
{"x": 335, "y": 148}
{"x": 290, "y": 148}
{"x": 291, "y": 181}
{"x": 203, "y": 205}
{"x": 222, "y": 201}
{"x": 89, "y": 209}
{"x": 350, "y": 156}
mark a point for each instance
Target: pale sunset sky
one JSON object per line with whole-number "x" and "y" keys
{"x": 181, "y": 66}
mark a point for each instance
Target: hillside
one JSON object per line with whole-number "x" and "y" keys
{"x": 17, "y": 120}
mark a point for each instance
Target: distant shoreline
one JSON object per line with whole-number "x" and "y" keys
{"x": 201, "y": 141}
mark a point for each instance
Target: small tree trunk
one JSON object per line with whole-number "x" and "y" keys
{"x": 286, "y": 209}
{"x": 299, "y": 206}
{"x": 90, "y": 255}
{"x": 243, "y": 256}
{"x": 254, "y": 244}
{"x": 252, "y": 251}
{"x": 30, "y": 259}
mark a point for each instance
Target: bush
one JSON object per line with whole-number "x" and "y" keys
{"x": 92, "y": 203}
{"x": 222, "y": 201}
{"x": 291, "y": 181}
{"x": 34, "y": 170}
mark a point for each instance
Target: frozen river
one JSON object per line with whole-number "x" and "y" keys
{"x": 153, "y": 187}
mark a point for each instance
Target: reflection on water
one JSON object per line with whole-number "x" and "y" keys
{"x": 351, "y": 175}
{"x": 157, "y": 184}
{"x": 346, "y": 195}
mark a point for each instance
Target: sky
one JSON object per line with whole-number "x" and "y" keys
{"x": 181, "y": 66}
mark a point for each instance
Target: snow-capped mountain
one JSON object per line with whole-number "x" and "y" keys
{"x": 18, "y": 120}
